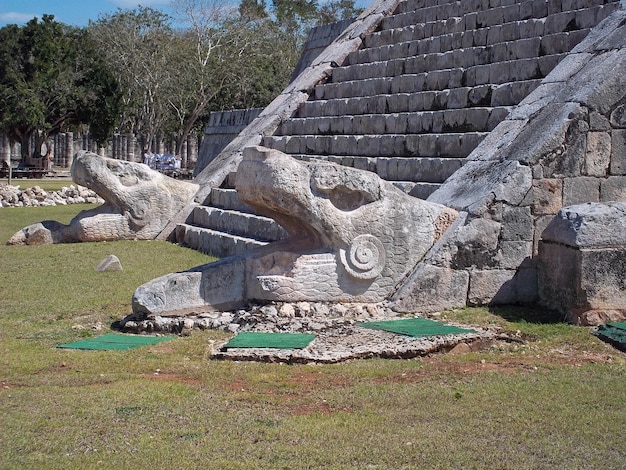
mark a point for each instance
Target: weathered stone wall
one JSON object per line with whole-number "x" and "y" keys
{"x": 564, "y": 144}
{"x": 221, "y": 128}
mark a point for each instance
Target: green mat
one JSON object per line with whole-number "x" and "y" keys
{"x": 415, "y": 327}
{"x": 115, "y": 342}
{"x": 614, "y": 333}
{"x": 248, "y": 339}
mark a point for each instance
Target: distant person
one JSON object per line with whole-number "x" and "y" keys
{"x": 47, "y": 161}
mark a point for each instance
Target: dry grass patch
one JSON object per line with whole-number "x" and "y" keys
{"x": 554, "y": 399}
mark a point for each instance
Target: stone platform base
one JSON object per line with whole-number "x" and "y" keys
{"x": 336, "y": 326}
{"x": 355, "y": 342}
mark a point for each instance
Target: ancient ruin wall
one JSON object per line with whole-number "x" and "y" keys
{"x": 565, "y": 144}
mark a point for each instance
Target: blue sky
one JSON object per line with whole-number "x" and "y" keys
{"x": 79, "y": 12}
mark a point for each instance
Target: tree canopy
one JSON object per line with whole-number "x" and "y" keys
{"x": 51, "y": 80}
{"x": 134, "y": 71}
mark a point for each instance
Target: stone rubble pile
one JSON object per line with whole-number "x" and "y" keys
{"x": 13, "y": 196}
{"x": 297, "y": 317}
{"x": 338, "y": 336}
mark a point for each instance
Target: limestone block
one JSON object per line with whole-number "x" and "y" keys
{"x": 598, "y": 122}
{"x": 110, "y": 263}
{"x": 535, "y": 101}
{"x": 525, "y": 48}
{"x": 461, "y": 58}
{"x": 589, "y": 225}
{"x": 525, "y": 10}
{"x": 598, "y": 154}
{"x": 470, "y": 20}
{"x": 415, "y": 64}
{"x": 582, "y": 260}
{"x": 510, "y": 31}
{"x": 477, "y": 183}
{"x": 529, "y": 28}
{"x": 496, "y": 116}
{"x": 613, "y": 188}
{"x": 587, "y": 19}
{"x": 554, "y": 43}
{"x": 512, "y": 254}
{"x": 431, "y": 288}
{"x": 580, "y": 190}
{"x": 510, "y": 13}
{"x": 540, "y": 9}
{"x": 480, "y": 95}
{"x": 489, "y": 17}
{"x": 492, "y": 286}
{"x": 554, "y": 137}
{"x": 618, "y": 152}
{"x": 517, "y": 224}
{"x": 557, "y": 23}
{"x": 599, "y": 84}
{"x": 568, "y": 67}
{"x": 546, "y": 196}
{"x": 220, "y": 287}
{"x": 427, "y": 145}
{"x": 457, "y": 99}
{"x": 482, "y": 74}
{"x": 494, "y": 35}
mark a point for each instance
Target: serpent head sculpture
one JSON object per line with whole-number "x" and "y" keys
{"x": 139, "y": 202}
{"x": 352, "y": 237}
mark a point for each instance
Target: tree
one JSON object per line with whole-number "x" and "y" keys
{"x": 250, "y": 10}
{"x": 50, "y": 81}
{"x": 202, "y": 53}
{"x": 336, "y": 10}
{"x": 137, "y": 44}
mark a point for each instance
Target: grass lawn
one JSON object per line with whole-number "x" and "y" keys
{"x": 557, "y": 400}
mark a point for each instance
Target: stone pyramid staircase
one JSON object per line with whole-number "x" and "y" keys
{"x": 420, "y": 94}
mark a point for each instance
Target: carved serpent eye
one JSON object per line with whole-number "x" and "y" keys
{"x": 365, "y": 257}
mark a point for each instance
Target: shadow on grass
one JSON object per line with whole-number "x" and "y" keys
{"x": 527, "y": 313}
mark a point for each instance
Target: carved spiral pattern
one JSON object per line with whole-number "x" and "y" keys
{"x": 364, "y": 258}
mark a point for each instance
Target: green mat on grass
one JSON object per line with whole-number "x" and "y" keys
{"x": 249, "y": 339}
{"x": 614, "y": 332}
{"x": 415, "y": 327}
{"x": 115, "y": 342}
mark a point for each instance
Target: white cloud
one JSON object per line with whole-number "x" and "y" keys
{"x": 14, "y": 17}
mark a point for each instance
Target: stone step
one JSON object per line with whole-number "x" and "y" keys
{"x": 228, "y": 199}
{"x": 443, "y": 79}
{"x": 418, "y": 190}
{"x": 389, "y": 62}
{"x": 448, "y": 120}
{"x": 421, "y": 170}
{"x": 491, "y": 37}
{"x": 454, "y": 145}
{"x": 579, "y": 14}
{"x": 478, "y": 15}
{"x": 237, "y": 223}
{"x": 503, "y": 95}
{"x": 213, "y": 242}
